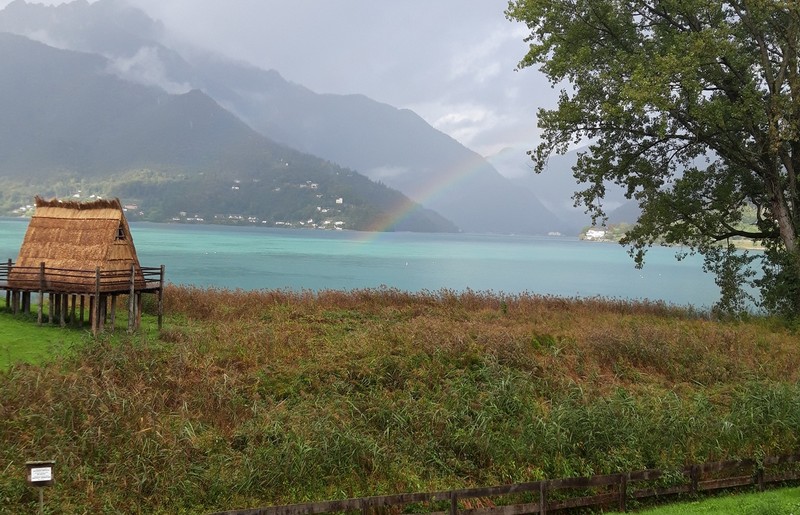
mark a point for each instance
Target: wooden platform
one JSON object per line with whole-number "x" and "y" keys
{"x": 70, "y": 291}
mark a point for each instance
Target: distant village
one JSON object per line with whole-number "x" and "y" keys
{"x": 613, "y": 232}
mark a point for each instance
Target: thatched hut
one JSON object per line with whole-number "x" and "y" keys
{"x": 79, "y": 248}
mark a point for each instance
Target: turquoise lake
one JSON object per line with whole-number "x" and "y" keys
{"x": 260, "y": 258}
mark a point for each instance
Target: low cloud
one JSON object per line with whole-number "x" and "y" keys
{"x": 383, "y": 173}
{"x": 44, "y": 37}
{"x": 145, "y": 67}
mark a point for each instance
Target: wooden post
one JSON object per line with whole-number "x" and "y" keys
{"x": 41, "y": 293}
{"x": 453, "y": 503}
{"x": 161, "y": 297}
{"x": 64, "y": 308}
{"x": 132, "y": 300}
{"x": 103, "y": 311}
{"x": 139, "y": 307}
{"x": 759, "y": 480}
{"x": 623, "y": 492}
{"x": 96, "y": 307}
{"x": 50, "y": 307}
{"x": 113, "y": 311}
{"x": 543, "y": 497}
{"x": 72, "y": 318}
{"x": 83, "y": 305}
{"x": 8, "y": 292}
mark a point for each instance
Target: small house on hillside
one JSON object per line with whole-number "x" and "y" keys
{"x": 77, "y": 251}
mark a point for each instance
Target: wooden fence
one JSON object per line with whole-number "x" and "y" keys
{"x": 609, "y": 491}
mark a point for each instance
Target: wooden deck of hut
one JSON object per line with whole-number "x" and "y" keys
{"x": 79, "y": 255}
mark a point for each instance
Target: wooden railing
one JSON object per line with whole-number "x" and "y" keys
{"x": 52, "y": 279}
{"x": 614, "y": 490}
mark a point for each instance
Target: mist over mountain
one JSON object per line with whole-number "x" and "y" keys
{"x": 393, "y": 146}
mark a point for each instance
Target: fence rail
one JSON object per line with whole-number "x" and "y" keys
{"x": 613, "y": 490}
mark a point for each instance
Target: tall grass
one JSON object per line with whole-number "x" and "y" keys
{"x": 254, "y": 398}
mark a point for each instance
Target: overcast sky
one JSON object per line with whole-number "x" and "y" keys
{"x": 453, "y": 62}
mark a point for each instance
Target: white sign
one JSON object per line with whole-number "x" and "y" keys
{"x": 41, "y": 474}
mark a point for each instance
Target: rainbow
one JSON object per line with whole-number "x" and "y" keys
{"x": 426, "y": 193}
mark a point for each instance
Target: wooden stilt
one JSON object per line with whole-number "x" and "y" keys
{"x": 139, "y": 305}
{"x": 161, "y": 297}
{"x": 8, "y": 292}
{"x": 96, "y": 310}
{"x": 40, "y": 316}
{"x": 132, "y": 301}
{"x": 72, "y": 318}
{"x": 113, "y": 311}
{"x": 64, "y": 309}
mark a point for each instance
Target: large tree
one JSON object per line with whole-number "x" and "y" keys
{"x": 694, "y": 107}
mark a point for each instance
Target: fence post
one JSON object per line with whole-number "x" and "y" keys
{"x": 453, "y": 503}
{"x": 622, "y": 490}
{"x": 543, "y": 497}
{"x": 759, "y": 479}
{"x": 694, "y": 473}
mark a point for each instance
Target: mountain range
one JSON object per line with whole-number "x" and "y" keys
{"x": 68, "y": 125}
{"x": 107, "y": 90}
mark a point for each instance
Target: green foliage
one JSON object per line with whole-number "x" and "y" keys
{"x": 692, "y": 107}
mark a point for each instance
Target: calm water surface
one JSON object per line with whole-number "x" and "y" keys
{"x": 260, "y": 258}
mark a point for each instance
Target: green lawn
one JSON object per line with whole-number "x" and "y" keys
{"x": 785, "y": 501}
{"x": 23, "y": 340}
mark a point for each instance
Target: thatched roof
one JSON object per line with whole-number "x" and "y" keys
{"x": 78, "y": 236}
{"x": 78, "y": 205}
